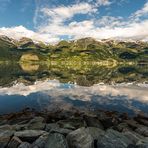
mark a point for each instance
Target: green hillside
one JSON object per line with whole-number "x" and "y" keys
{"x": 83, "y": 49}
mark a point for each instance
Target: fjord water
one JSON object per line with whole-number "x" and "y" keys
{"x": 43, "y": 86}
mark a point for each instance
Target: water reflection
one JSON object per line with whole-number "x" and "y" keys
{"x": 50, "y": 94}
{"x": 83, "y": 75}
{"x": 52, "y": 85}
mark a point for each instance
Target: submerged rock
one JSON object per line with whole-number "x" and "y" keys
{"x": 56, "y": 140}
{"x": 84, "y": 137}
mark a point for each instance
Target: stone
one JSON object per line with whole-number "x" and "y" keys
{"x": 56, "y": 140}
{"x": 14, "y": 127}
{"x": 143, "y": 131}
{"x": 6, "y": 127}
{"x": 108, "y": 122}
{"x": 51, "y": 126}
{"x": 36, "y": 124}
{"x": 133, "y": 136}
{"x": 84, "y": 137}
{"x": 122, "y": 127}
{"x": 72, "y": 124}
{"x": 29, "y": 135}
{"x": 62, "y": 131}
{"x": 133, "y": 124}
{"x": 142, "y": 143}
{"x": 14, "y": 142}
{"x": 142, "y": 121}
{"x": 25, "y": 145}
{"x": 93, "y": 122}
{"x": 41, "y": 141}
{"x": 113, "y": 139}
{"x": 5, "y": 137}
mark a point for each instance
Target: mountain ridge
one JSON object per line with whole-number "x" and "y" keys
{"x": 85, "y": 48}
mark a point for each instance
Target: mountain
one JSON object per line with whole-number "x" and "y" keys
{"x": 85, "y": 48}
{"x": 14, "y": 49}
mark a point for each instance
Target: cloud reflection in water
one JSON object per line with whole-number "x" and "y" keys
{"x": 49, "y": 94}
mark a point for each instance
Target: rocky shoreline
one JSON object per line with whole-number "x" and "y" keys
{"x": 73, "y": 129}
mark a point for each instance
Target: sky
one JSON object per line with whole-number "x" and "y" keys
{"x": 53, "y": 20}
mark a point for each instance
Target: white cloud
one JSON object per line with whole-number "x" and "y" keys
{"x": 142, "y": 12}
{"x": 55, "y": 89}
{"x": 61, "y": 13}
{"x": 52, "y": 23}
{"x": 20, "y": 31}
{"x": 103, "y": 28}
{"x": 103, "y": 2}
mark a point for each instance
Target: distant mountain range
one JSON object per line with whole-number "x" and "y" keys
{"x": 84, "y": 49}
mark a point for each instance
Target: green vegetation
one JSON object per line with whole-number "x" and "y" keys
{"x": 82, "y": 50}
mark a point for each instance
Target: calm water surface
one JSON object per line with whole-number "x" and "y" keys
{"x": 120, "y": 88}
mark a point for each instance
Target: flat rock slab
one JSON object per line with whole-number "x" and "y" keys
{"x": 56, "y": 140}
{"x": 61, "y": 131}
{"x": 29, "y": 135}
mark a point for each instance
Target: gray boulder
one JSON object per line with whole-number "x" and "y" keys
{"x": 62, "y": 131}
{"x": 142, "y": 143}
{"x": 113, "y": 139}
{"x": 51, "y": 126}
{"x": 142, "y": 130}
{"x": 5, "y": 137}
{"x": 93, "y": 122}
{"x": 72, "y": 124}
{"x": 25, "y": 145}
{"x": 14, "y": 142}
{"x": 133, "y": 136}
{"x": 122, "y": 127}
{"x": 40, "y": 142}
{"x": 36, "y": 124}
{"x": 56, "y": 140}
{"x": 84, "y": 137}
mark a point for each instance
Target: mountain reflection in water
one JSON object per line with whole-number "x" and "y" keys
{"x": 49, "y": 94}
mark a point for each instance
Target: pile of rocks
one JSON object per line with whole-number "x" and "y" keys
{"x": 73, "y": 129}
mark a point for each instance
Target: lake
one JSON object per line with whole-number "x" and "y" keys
{"x": 121, "y": 88}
